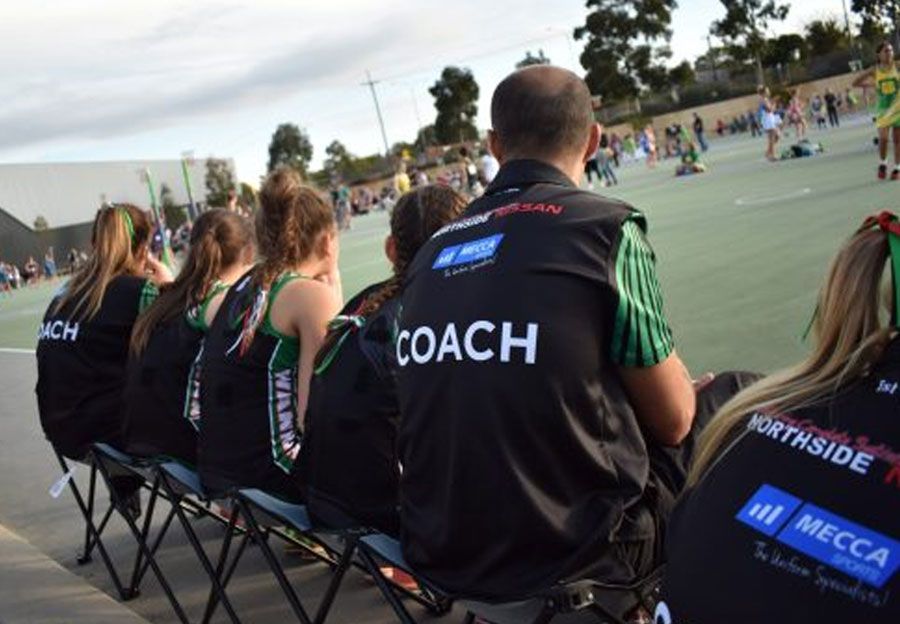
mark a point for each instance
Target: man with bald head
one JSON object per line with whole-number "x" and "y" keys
{"x": 536, "y": 366}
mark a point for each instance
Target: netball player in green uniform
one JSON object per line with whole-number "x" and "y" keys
{"x": 258, "y": 355}
{"x": 162, "y": 411}
{"x": 886, "y": 80}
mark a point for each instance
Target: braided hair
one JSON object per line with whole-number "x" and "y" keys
{"x": 289, "y": 222}
{"x": 417, "y": 215}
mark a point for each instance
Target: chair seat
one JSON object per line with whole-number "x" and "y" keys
{"x": 388, "y": 549}
{"x": 116, "y": 455}
{"x": 136, "y": 465}
{"x": 185, "y": 477}
{"x": 507, "y": 612}
{"x": 291, "y": 514}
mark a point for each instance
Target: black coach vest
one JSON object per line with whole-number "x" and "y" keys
{"x": 81, "y": 368}
{"x": 519, "y": 447}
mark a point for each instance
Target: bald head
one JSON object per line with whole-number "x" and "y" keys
{"x": 542, "y": 111}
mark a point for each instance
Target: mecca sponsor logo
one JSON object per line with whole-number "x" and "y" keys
{"x": 479, "y": 342}
{"x": 828, "y": 446}
{"x": 468, "y": 252}
{"x": 886, "y": 386}
{"x": 502, "y": 211}
{"x": 65, "y": 331}
{"x": 839, "y": 543}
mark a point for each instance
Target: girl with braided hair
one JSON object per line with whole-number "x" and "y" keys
{"x": 348, "y": 462}
{"x": 258, "y": 355}
{"x": 162, "y": 411}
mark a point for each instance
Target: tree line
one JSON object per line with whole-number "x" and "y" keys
{"x": 626, "y": 56}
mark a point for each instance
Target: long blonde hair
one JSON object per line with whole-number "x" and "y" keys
{"x": 119, "y": 239}
{"x": 850, "y": 336}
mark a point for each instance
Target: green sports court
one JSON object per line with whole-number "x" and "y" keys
{"x": 741, "y": 250}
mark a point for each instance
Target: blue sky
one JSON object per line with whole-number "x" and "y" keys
{"x": 100, "y": 80}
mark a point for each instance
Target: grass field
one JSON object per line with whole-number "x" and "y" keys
{"x": 741, "y": 250}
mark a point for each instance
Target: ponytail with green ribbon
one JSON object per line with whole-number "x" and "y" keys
{"x": 889, "y": 223}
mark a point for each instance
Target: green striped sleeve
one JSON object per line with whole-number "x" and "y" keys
{"x": 149, "y": 293}
{"x": 641, "y": 335}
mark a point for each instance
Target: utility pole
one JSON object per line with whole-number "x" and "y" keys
{"x": 371, "y": 84}
{"x": 712, "y": 57}
{"x": 850, "y": 32}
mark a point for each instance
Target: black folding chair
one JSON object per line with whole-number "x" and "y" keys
{"x": 607, "y": 603}
{"x": 604, "y": 603}
{"x": 178, "y": 483}
{"x": 378, "y": 546}
{"x": 264, "y": 516}
{"x": 92, "y": 531}
{"x": 111, "y": 462}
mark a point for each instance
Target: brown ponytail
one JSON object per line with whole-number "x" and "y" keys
{"x": 289, "y": 222}
{"x": 218, "y": 239}
{"x": 416, "y": 217}
{"x": 119, "y": 238}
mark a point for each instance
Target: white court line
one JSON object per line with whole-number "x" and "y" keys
{"x": 19, "y": 351}
{"x": 750, "y": 201}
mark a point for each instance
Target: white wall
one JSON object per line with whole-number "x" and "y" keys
{"x": 70, "y": 193}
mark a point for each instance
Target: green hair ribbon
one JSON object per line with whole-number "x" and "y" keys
{"x": 129, "y": 224}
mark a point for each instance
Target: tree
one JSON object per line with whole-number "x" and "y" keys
{"x": 540, "y": 59}
{"x": 682, "y": 75}
{"x": 456, "y": 100}
{"x": 785, "y": 50}
{"x": 290, "y": 146}
{"x": 219, "y": 181}
{"x": 425, "y": 137}
{"x": 173, "y": 214}
{"x": 247, "y": 197}
{"x": 40, "y": 223}
{"x": 745, "y": 23}
{"x": 339, "y": 159}
{"x": 883, "y": 13}
{"x": 825, "y": 35}
{"x": 627, "y": 46}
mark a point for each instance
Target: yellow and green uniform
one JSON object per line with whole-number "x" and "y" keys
{"x": 887, "y": 82}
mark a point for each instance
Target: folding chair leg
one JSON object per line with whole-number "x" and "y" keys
{"x": 93, "y": 534}
{"x": 138, "y": 572}
{"x": 276, "y": 568}
{"x": 141, "y": 542}
{"x": 85, "y": 556}
{"x": 175, "y": 500}
{"x": 385, "y": 588}
{"x": 157, "y": 542}
{"x": 337, "y": 576}
{"x": 213, "y": 601}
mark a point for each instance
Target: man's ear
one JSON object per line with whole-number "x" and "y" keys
{"x": 390, "y": 249}
{"x": 593, "y": 142}
{"x": 494, "y": 146}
